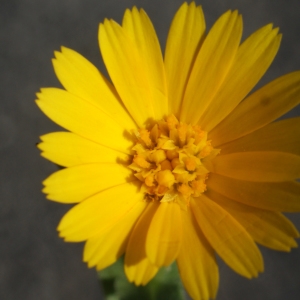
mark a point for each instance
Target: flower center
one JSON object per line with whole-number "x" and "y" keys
{"x": 170, "y": 160}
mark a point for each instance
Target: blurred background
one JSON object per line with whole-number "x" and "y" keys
{"x": 34, "y": 262}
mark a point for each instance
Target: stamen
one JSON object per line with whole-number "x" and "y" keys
{"x": 172, "y": 154}
{"x": 182, "y": 130}
{"x": 158, "y": 156}
{"x": 141, "y": 162}
{"x": 172, "y": 122}
{"x": 149, "y": 180}
{"x": 166, "y": 165}
{"x": 185, "y": 190}
{"x": 190, "y": 164}
{"x": 175, "y": 162}
{"x": 170, "y": 160}
{"x": 165, "y": 178}
{"x": 145, "y": 137}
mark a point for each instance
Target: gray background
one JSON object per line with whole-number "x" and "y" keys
{"x": 34, "y": 262}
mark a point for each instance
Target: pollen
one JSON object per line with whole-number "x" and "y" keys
{"x": 190, "y": 164}
{"x": 170, "y": 159}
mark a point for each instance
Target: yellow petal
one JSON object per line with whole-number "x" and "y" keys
{"x": 100, "y": 212}
{"x": 258, "y": 166}
{"x": 83, "y": 79}
{"x": 139, "y": 28}
{"x": 138, "y": 267}
{"x": 184, "y": 40}
{"x": 82, "y": 118}
{"x": 264, "y": 106}
{"x": 278, "y": 196}
{"x": 229, "y": 239}
{"x": 105, "y": 249}
{"x": 196, "y": 261}
{"x": 69, "y": 149}
{"x": 76, "y": 183}
{"x": 252, "y": 60}
{"x": 127, "y": 71}
{"x": 211, "y": 66}
{"x": 282, "y": 136}
{"x": 165, "y": 234}
{"x": 268, "y": 228}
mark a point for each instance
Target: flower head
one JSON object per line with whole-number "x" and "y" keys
{"x": 172, "y": 160}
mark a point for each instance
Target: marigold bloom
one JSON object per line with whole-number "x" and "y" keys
{"x": 172, "y": 160}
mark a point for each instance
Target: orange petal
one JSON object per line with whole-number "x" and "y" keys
{"x": 128, "y": 72}
{"x": 258, "y": 166}
{"x": 83, "y": 79}
{"x": 140, "y": 29}
{"x": 196, "y": 261}
{"x": 278, "y": 196}
{"x": 69, "y": 149}
{"x": 164, "y": 234}
{"x": 229, "y": 239}
{"x": 98, "y": 213}
{"x": 77, "y": 183}
{"x": 281, "y": 136}
{"x": 252, "y": 60}
{"x": 83, "y": 118}
{"x": 104, "y": 249}
{"x": 138, "y": 267}
{"x": 211, "y": 66}
{"x": 268, "y": 228}
{"x": 185, "y": 37}
{"x": 264, "y": 106}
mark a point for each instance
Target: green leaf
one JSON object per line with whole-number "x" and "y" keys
{"x": 165, "y": 285}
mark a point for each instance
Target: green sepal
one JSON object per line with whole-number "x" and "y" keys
{"x": 165, "y": 285}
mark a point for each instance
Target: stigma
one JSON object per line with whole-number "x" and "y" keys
{"x": 170, "y": 159}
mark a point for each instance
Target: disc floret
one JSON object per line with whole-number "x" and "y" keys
{"x": 170, "y": 159}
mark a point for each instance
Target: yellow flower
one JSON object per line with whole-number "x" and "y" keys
{"x": 172, "y": 161}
